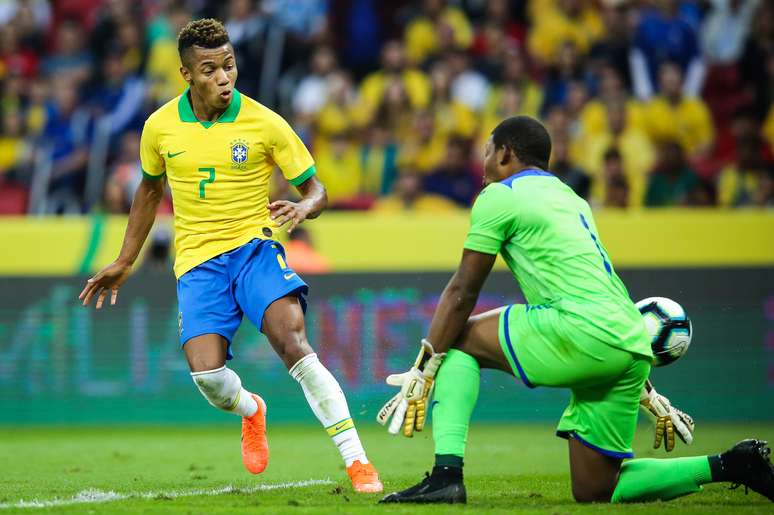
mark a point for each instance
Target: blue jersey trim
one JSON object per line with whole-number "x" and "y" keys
{"x": 613, "y": 454}
{"x": 525, "y": 173}
{"x": 510, "y": 349}
{"x": 608, "y": 267}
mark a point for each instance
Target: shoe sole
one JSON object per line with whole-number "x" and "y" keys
{"x": 369, "y": 489}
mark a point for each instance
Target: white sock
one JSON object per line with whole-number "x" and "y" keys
{"x": 329, "y": 405}
{"x": 223, "y": 389}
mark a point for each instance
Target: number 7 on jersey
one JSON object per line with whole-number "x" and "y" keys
{"x": 208, "y": 180}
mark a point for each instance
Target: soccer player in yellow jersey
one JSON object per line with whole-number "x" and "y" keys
{"x": 216, "y": 149}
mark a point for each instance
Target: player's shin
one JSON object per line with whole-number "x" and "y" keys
{"x": 329, "y": 405}
{"x": 223, "y": 389}
{"x": 456, "y": 393}
{"x": 645, "y": 480}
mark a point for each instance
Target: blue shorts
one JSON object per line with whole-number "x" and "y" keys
{"x": 213, "y": 296}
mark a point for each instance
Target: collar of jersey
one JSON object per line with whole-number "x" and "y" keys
{"x": 525, "y": 173}
{"x": 186, "y": 113}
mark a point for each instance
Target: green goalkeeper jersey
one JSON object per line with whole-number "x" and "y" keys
{"x": 547, "y": 236}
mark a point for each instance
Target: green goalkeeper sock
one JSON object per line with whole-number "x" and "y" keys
{"x": 456, "y": 393}
{"x": 653, "y": 480}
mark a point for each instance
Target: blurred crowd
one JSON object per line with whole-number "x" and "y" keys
{"x": 649, "y": 103}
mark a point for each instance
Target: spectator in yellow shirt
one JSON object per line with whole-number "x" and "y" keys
{"x": 748, "y": 181}
{"x": 768, "y": 128}
{"x": 163, "y": 67}
{"x": 424, "y": 147}
{"x": 517, "y": 94}
{"x": 15, "y": 152}
{"x": 451, "y": 116}
{"x": 408, "y": 196}
{"x": 575, "y": 21}
{"x": 335, "y": 115}
{"x": 338, "y": 166}
{"x": 35, "y": 116}
{"x": 424, "y": 34}
{"x": 635, "y": 148}
{"x": 394, "y": 68}
{"x": 594, "y": 117}
{"x": 673, "y": 116}
{"x": 395, "y": 111}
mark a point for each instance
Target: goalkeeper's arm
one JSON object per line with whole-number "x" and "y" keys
{"x": 458, "y": 299}
{"x": 408, "y": 407}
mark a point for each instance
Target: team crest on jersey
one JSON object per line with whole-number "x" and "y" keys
{"x": 239, "y": 152}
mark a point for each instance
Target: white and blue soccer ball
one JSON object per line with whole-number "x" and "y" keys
{"x": 669, "y": 327}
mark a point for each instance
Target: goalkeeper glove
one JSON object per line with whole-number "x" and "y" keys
{"x": 669, "y": 420}
{"x": 408, "y": 407}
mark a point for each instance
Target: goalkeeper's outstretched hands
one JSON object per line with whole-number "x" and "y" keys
{"x": 669, "y": 420}
{"x": 408, "y": 407}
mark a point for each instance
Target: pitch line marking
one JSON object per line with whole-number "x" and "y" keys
{"x": 92, "y": 495}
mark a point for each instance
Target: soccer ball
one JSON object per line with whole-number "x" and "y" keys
{"x": 668, "y": 326}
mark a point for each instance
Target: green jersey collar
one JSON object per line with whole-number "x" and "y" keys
{"x": 186, "y": 113}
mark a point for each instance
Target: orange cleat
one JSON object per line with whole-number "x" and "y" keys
{"x": 365, "y": 478}
{"x": 255, "y": 446}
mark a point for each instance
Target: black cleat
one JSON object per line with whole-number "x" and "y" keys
{"x": 436, "y": 488}
{"x": 747, "y": 463}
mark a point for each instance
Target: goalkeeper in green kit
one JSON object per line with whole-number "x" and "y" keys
{"x": 579, "y": 330}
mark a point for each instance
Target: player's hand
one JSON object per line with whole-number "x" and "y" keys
{"x": 109, "y": 279}
{"x": 408, "y": 408}
{"x": 669, "y": 420}
{"x": 284, "y": 211}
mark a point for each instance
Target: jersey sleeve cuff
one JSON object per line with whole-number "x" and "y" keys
{"x": 304, "y": 176}
{"x": 152, "y": 177}
{"x": 483, "y": 245}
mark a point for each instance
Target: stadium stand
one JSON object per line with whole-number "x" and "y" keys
{"x": 650, "y": 103}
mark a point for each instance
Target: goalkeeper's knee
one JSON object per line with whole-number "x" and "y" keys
{"x": 221, "y": 387}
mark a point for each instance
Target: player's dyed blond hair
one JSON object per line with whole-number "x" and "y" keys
{"x": 205, "y": 33}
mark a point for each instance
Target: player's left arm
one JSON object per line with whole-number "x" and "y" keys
{"x": 313, "y": 201}
{"x": 295, "y": 162}
{"x": 668, "y": 419}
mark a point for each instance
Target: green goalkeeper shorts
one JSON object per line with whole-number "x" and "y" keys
{"x": 544, "y": 349}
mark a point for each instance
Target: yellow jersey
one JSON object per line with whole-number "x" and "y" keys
{"x": 219, "y": 173}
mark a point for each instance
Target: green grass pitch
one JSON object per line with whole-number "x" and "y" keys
{"x": 195, "y": 469}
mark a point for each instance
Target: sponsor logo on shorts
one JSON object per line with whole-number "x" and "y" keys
{"x": 289, "y": 275}
{"x": 180, "y": 323}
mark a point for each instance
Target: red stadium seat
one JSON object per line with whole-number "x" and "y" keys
{"x": 13, "y": 199}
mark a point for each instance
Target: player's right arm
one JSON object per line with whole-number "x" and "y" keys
{"x": 141, "y": 217}
{"x": 492, "y": 221}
